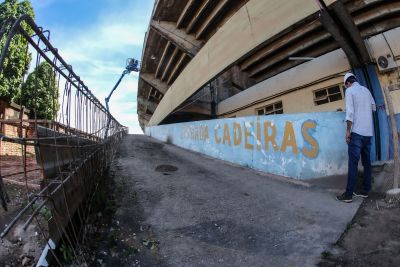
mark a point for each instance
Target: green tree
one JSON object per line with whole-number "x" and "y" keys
{"x": 17, "y": 59}
{"x": 40, "y": 92}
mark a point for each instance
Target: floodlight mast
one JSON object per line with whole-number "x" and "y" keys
{"x": 131, "y": 65}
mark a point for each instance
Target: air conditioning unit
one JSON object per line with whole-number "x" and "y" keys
{"x": 385, "y": 62}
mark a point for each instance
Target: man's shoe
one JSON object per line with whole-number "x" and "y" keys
{"x": 362, "y": 194}
{"x": 344, "y": 198}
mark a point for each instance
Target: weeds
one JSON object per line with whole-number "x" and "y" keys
{"x": 151, "y": 244}
{"x": 326, "y": 254}
{"x": 67, "y": 253}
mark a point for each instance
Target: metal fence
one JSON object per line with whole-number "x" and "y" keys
{"x": 60, "y": 158}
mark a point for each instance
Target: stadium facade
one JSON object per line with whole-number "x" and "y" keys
{"x": 205, "y": 60}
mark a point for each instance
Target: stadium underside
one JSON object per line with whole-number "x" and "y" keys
{"x": 199, "y": 54}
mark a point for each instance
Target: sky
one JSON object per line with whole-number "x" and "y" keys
{"x": 96, "y": 37}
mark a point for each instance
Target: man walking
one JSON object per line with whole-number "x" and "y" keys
{"x": 359, "y": 107}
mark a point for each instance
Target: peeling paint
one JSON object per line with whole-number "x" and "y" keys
{"x": 301, "y": 146}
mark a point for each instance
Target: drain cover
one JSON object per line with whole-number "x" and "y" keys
{"x": 166, "y": 168}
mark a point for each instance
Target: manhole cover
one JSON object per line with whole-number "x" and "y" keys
{"x": 166, "y": 168}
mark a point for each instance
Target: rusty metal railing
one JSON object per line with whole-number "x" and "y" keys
{"x": 60, "y": 158}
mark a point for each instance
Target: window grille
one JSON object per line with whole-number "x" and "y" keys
{"x": 275, "y": 108}
{"x": 327, "y": 95}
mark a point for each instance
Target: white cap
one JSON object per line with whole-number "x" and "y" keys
{"x": 348, "y": 75}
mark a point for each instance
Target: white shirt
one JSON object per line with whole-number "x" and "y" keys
{"x": 359, "y": 107}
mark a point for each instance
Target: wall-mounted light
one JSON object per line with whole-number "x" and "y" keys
{"x": 302, "y": 58}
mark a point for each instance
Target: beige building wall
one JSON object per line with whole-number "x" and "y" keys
{"x": 294, "y": 88}
{"x": 388, "y": 43}
{"x": 390, "y": 79}
{"x": 303, "y": 100}
{"x": 333, "y": 64}
{"x": 396, "y": 100}
{"x": 298, "y": 101}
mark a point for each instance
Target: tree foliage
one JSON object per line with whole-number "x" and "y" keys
{"x": 40, "y": 92}
{"x": 17, "y": 59}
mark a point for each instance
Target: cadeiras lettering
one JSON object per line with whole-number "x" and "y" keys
{"x": 264, "y": 135}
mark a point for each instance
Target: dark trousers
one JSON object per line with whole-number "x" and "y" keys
{"x": 359, "y": 146}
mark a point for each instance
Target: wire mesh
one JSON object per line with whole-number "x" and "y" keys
{"x": 60, "y": 154}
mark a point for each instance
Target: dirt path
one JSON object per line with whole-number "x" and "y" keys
{"x": 371, "y": 239}
{"x": 21, "y": 247}
{"x": 171, "y": 207}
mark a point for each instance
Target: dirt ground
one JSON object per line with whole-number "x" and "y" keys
{"x": 12, "y": 171}
{"x": 118, "y": 235}
{"x": 112, "y": 239}
{"x": 371, "y": 239}
{"x": 19, "y": 247}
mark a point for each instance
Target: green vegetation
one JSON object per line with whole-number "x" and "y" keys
{"x": 44, "y": 211}
{"x": 326, "y": 254}
{"x": 67, "y": 253}
{"x": 17, "y": 60}
{"x": 131, "y": 250}
{"x": 40, "y": 92}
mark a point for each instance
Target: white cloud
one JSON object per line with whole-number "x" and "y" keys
{"x": 98, "y": 52}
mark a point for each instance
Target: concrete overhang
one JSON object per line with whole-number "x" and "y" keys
{"x": 242, "y": 33}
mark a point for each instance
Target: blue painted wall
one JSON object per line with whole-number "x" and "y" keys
{"x": 301, "y": 146}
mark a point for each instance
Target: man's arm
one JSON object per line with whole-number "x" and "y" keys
{"x": 349, "y": 115}
{"x": 348, "y": 131}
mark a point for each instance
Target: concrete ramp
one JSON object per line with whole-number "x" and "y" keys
{"x": 205, "y": 212}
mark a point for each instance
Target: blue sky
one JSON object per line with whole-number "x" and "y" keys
{"x": 96, "y": 38}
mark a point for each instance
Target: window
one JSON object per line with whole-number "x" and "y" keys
{"x": 326, "y": 95}
{"x": 275, "y": 108}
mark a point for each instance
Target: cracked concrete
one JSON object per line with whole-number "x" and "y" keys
{"x": 211, "y": 213}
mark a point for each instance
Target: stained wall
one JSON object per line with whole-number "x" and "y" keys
{"x": 301, "y": 146}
